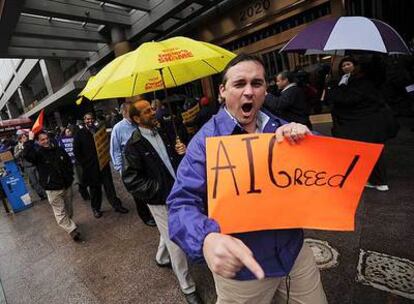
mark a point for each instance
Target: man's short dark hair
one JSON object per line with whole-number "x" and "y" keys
{"x": 124, "y": 106}
{"x": 288, "y": 75}
{"x": 133, "y": 110}
{"x": 88, "y": 114}
{"x": 42, "y": 132}
{"x": 236, "y": 60}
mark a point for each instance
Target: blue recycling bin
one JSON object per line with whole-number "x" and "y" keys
{"x": 14, "y": 186}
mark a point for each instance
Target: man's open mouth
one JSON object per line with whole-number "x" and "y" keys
{"x": 247, "y": 107}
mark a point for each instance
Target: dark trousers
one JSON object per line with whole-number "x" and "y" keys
{"x": 143, "y": 211}
{"x": 96, "y": 191}
{"x": 379, "y": 173}
{"x": 6, "y": 207}
{"x": 83, "y": 189}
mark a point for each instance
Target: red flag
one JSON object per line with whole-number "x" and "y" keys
{"x": 38, "y": 125}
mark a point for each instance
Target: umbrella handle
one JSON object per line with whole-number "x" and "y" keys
{"x": 328, "y": 76}
{"x": 323, "y": 95}
{"x": 169, "y": 106}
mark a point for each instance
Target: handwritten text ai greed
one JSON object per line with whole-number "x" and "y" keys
{"x": 255, "y": 183}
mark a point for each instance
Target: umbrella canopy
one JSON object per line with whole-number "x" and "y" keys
{"x": 348, "y": 33}
{"x": 157, "y": 65}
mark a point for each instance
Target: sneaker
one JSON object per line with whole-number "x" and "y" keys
{"x": 150, "y": 222}
{"x": 76, "y": 236}
{"x": 381, "y": 188}
{"x": 97, "y": 213}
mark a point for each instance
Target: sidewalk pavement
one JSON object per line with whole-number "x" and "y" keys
{"x": 40, "y": 264}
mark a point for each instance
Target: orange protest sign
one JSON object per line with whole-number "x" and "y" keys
{"x": 255, "y": 183}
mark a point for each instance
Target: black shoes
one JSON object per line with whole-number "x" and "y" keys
{"x": 121, "y": 209}
{"x": 193, "y": 298}
{"x": 84, "y": 193}
{"x": 75, "y": 235}
{"x": 150, "y": 223}
{"x": 97, "y": 213}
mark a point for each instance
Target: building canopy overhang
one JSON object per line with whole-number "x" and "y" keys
{"x": 81, "y": 29}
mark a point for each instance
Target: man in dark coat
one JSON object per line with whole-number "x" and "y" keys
{"x": 359, "y": 113}
{"x": 150, "y": 161}
{"x": 86, "y": 155}
{"x": 56, "y": 177}
{"x": 291, "y": 104}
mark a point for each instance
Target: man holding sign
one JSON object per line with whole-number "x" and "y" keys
{"x": 247, "y": 267}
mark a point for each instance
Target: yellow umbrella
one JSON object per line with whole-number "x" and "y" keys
{"x": 157, "y": 65}
{"x": 81, "y": 94}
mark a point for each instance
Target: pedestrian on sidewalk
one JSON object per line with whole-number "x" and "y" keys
{"x": 56, "y": 177}
{"x": 86, "y": 155}
{"x": 291, "y": 105}
{"x": 120, "y": 135}
{"x": 247, "y": 267}
{"x": 150, "y": 161}
{"x": 359, "y": 113}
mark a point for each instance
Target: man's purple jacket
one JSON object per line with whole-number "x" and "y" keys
{"x": 274, "y": 250}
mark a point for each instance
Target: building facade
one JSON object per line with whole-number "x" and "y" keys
{"x": 56, "y": 65}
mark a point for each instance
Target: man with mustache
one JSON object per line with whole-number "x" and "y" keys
{"x": 150, "y": 162}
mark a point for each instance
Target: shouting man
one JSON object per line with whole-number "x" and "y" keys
{"x": 247, "y": 267}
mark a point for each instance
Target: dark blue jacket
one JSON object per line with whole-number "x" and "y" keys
{"x": 275, "y": 250}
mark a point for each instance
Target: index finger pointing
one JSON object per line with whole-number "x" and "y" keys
{"x": 245, "y": 256}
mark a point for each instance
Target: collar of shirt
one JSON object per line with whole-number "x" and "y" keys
{"x": 148, "y": 132}
{"x": 293, "y": 84}
{"x": 91, "y": 129}
{"x": 127, "y": 121}
{"x": 261, "y": 120}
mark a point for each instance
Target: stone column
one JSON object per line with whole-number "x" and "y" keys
{"x": 121, "y": 46}
{"x": 8, "y": 112}
{"x": 52, "y": 74}
{"x": 22, "y": 98}
{"x": 120, "y": 43}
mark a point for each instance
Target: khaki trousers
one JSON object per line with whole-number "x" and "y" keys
{"x": 61, "y": 202}
{"x": 162, "y": 256}
{"x": 178, "y": 258}
{"x": 305, "y": 286}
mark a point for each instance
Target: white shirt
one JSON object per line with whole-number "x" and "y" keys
{"x": 158, "y": 144}
{"x": 261, "y": 120}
